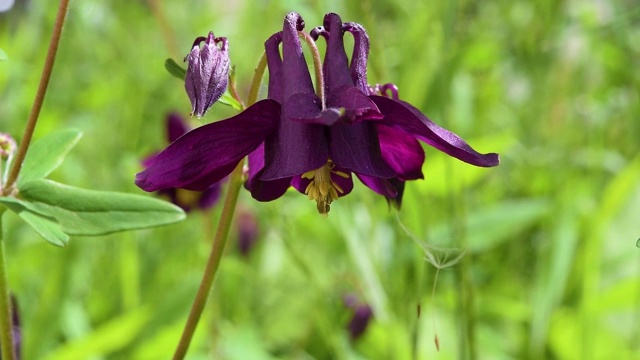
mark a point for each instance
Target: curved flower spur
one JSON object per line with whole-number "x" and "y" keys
{"x": 297, "y": 138}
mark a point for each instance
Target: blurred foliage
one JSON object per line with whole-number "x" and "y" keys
{"x": 551, "y": 269}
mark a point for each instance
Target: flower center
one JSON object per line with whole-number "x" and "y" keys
{"x": 322, "y": 188}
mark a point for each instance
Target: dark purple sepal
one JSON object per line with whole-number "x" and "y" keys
{"x": 380, "y": 186}
{"x": 357, "y": 106}
{"x": 396, "y": 202}
{"x": 356, "y": 147}
{"x": 336, "y": 64}
{"x": 402, "y": 152}
{"x": 360, "y": 55}
{"x": 207, "y": 154}
{"x": 263, "y": 190}
{"x": 402, "y": 115}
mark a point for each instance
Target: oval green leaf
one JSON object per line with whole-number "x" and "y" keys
{"x": 46, "y": 227}
{"x": 89, "y": 212}
{"x": 46, "y": 154}
{"x": 174, "y": 69}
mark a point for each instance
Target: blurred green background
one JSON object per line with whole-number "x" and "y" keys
{"x": 551, "y": 269}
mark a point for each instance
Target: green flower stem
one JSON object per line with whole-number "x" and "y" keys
{"x": 317, "y": 65}
{"x": 220, "y": 239}
{"x": 219, "y": 242}
{"x": 37, "y": 103}
{"x": 6, "y": 325}
{"x": 257, "y": 78}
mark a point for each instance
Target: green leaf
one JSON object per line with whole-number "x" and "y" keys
{"x": 108, "y": 338}
{"x": 174, "y": 69}
{"x": 46, "y": 227}
{"x": 228, "y": 100}
{"x": 89, "y": 212}
{"x": 46, "y": 154}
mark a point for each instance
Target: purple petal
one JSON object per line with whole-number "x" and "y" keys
{"x": 356, "y": 147}
{"x": 297, "y": 79}
{"x": 263, "y": 190}
{"x": 296, "y": 147}
{"x": 396, "y": 201}
{"x": 404, "y": 116}
{"x": 176, "y": 127}
{"x": 402, "y": 152}
{"x": 357, "y": 106}
{"x": 274, "y": 64}
{"x": 207, "y": 154}
{"x": 380, "y": 186}
{"x": 359, "y": 57}
{"x": 306, "y": 108}
{"x": 336, "y": 65}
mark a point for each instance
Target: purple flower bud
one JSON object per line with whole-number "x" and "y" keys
{"x": 247, "y": 231}
{"x": 362, "y": 314}
{"x": 7, "y": 146}
{"x": 207, "y": 72}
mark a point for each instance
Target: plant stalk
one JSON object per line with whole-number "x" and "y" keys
{"x": 219, "y": 242}
{"x": 37, "y": 103}
{"x": 6, "y": 325}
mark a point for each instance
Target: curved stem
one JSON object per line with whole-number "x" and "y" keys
{"x": 220, "y": 239}
{"x": 257, "y": 78}
{"x": 37, "y": 103}
{"x": 317, "y": 65}
{"x": 6, "y": 326}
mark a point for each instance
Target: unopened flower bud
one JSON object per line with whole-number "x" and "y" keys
{"x": 207, "y": 72}
{"x": 362, "y": 314}
{"x": 7, "y": 146}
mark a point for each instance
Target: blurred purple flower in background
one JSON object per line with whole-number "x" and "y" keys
{"x": 207, "y": 72}
{"x": 362, "y": 315}
{"x": 248, "y": 230}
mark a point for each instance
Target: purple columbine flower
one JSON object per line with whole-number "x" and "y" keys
{"x": 295, "y": 138}
{"x": 398, "y": 124}
{"x": 186, "y": 199}
{"x": 207, "y": 72}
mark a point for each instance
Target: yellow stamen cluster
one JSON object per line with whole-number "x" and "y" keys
{"x": 322, "y": 188}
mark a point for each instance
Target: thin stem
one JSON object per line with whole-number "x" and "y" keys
{"x": 232, "y": 87}
{"x": 257, "y": 78}
{"x": 165, "y": 27}
{"x": 317, "y": 65}
{"x": 219, "y": 242}
{"x": 6, "y": 326}
{"x": 37, "y": 103}
{"x": 220, "y": 239}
